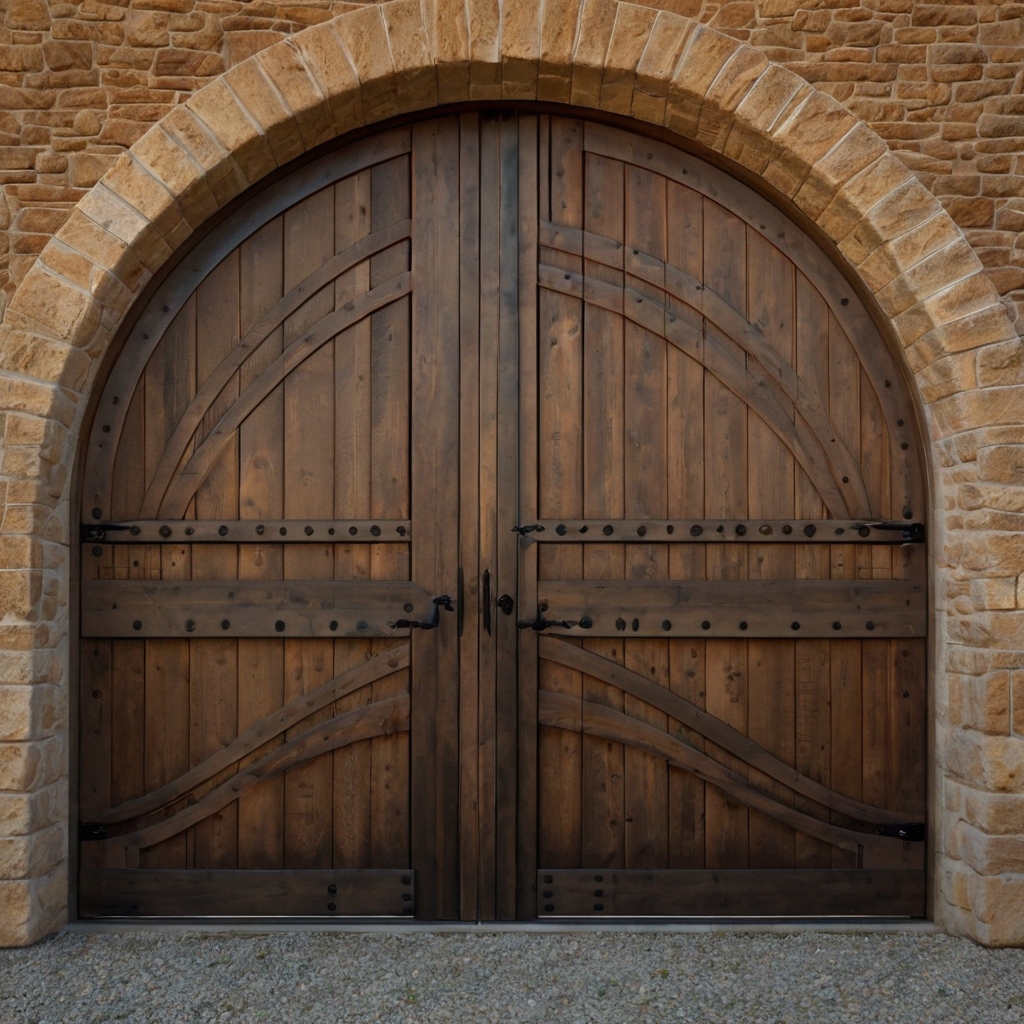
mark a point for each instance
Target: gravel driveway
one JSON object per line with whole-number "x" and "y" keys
{"x": 312, "y": 977}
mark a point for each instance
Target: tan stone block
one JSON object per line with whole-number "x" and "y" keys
{"x": 953, "y": 263}
{"x": 669, "y": 38}
{"x": 365, "y": 38}
{"x": 24, "y": 813}
{"x": 56, "y": 307}
{"x": 133, "y": 184}
{"x": 85, "y": 169}
{"x": 27, "y": 15}
{"x": 330, "y": 65}
{"x": 220, "y": 112}
{"x": 706, "y": 54}
{"x": 946, "y": 376}
{"x": 267, "y": 109}
{"x": 988, "y": 326}
{"x": 223, "y": 176}
{"x": 726, "y": 93}
{"x": 33, "y": 855}
{"x": 749, "y": 141}
{"x": 989, "y": 855}
{"x": 284, "y": 66}
{"x": 147, "y": 28}
{"x": 415, "y": 77}
{"x": 993, "y": 813}
{"x": 449, "y": 32}
{"x": 1001, "y": 364}
{"x": 907, "y": 250}
{"x": 906, "y": 206}
{"x": 982, "y": 702}
{"x": 1003, "y": 630}
{"x": 37, "y": 397}
{"x": 596, "y": 24}
{"x": 66, "y": 263}
{"x": 520, "y": 49}
{"x": 992, "y": 763}
{"x": 25, "y": 767}
{"x": 557, "y": 42}
{"x": 631, "y": 34}
{"x": 484, "y": 48}
{"x": 1001, "y": 464}
{"x": 101, "y": 248}
{"x": 972, "y": 294}
{"x": 862, "y": 192}
{"x": 859, "y": 148}
{"x": 33, "y": 908}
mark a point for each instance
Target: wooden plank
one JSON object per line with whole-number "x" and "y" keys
{"x": 389, "y": 495}
{"x": 713, "y": 608}
{"x": 486, "y": 427}
{"x": 214, "y": 662}
{"x": 352, "y": 468}
{"x": 96, "y": 731}
{"x": 435, "y": 553}
{"x": 175, "y": 894}
{"x": 645, "y": 482}
{"x": 604, "y": 773}
{"x": 475, "y": 814}
{"x": 559, "y": 492}
{"x": 291, "y": 608}
{"x": 512, "y": 253}
{"x": 260, "y": 494}
{"x": 732, "y": 894}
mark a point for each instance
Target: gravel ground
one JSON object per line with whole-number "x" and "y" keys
{"x": 315, "y": 977}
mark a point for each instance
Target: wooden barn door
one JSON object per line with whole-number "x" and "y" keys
{"x": 722, "y": 695}
{"x": 503, "y": 516}
{"x": 264, "y": 729}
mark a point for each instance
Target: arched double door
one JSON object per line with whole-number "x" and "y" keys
{"x": 502, "y": 516}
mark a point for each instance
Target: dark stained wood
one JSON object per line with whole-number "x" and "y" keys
{"x": 715, "y": 531}
{"x": 234, "y": 531}
{"x": 337, "y": 893}
{"x": 731, "y": 894}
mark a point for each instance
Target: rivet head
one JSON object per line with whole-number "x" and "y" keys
{"x": 189, "y": 530}
{"x": 332, "y": 906}
{"x": 586, "y": 622}
{"x": 810, "y": 530}
{"x": 869, "y": 625}
{"x": 787, "y": 529}
{"x": 741, "y": 530}
{"x": 332, "y": 890}
{"x": 225, "y": 624}
{"x": 705, "y": 624}
{"x": 620, "y": 624}
{"x": 548, "y": 907}
{"x": 743, "y": 625}
{"x": 260, "y": 530}
{"x": 837, "y": 625}
{"x": 765, "y": 530}
{"x": 353, "y": 530}
{"x": 279, "y": 626}
{"x": 190, "y": 626}
{"x": 283, "y": 531}
{"x": 561, "y": 530}
{"x": 97, "y": 551}
{"x": 333, "y": 625}
{"x": 696, "y": 530}
{"x": 794, "y": 625}
{"x": 308, "y": 531}
{"x": 641, "y": 531}
{"x": 362, "y": 625}
{"x": 375, "y": 530}
{"x": 666, "y": 625}
{"x": 608, "y": 530}
{"x": 165, "y": 531}
{"x": 407, "y": 607}
{"x": 137, "y": 624}
{"x": 223, "y": 531}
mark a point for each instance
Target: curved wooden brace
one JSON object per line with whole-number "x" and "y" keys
{"x": 714, "y": 729}
{"x": 749, "y": 336}
{"x": 248, "y": 345}
{"x": 189, "y": 479}
{"x": 267, "y": 728}
{"x": 806, "y": 447}
{"x": 564, "y": 711}
{"x": 165, "y": 305}
{"x": 378, "y": 719}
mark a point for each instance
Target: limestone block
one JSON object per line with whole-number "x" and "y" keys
{"x": 992, "y": 763}
{"x": 24, "y": 813}
{"x": 29, "y": 712}
{"x": 736, "y": 79}
{"x": 557, "y": 41}
{"x": 284, "y": 66}
{"x": 54, "y": 306}
{"x": 861, "y": 193}
{"x": 981, "y": 702}
{"x": 85, "y": 169}
{"x": 749, "y": 139}
{"x": 706, "y": 53}
{"x": 449, "y": 33}
{"x": 415, "y": 77}
{"x": 858, "y": 149}
{"x": 630, "y": 36}
{"x": 973, "y": 294}
{"x": 669, "y": 39}
{"x": 27, "y": 15}
{"x": 947, "y": 376}
{"x": 32, "y": 908}
{"x": 907, "y": 250}
{"x": 33, "y": 855}
{"x": 954, "y": 262}
{"x": 224, "y": 177}
{"x": 28, "y": 766}
{"x": 102, "y": 248}
{"x": 365, "y": 38}
{"x": 220, "y": 112}
{"x": 329, "y": 64}
{"x": 483, "y": 45}
{"x": 596, "y": 24}
{"x": 520, "y": 49}
{"x": 267, "y": 109}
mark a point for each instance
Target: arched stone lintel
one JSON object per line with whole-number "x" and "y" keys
{"x": 397, "y": 57}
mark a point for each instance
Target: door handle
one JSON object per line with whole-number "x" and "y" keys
{"x": 444, "y": 601}
{"x": 540, "y": 623}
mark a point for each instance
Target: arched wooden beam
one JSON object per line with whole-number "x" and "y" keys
{"x": 714, "y": 729}
{"x": 189, "y": 479}
{"x": 381, "y": 718}
{"x": 756, "y": 391}
{"x": 564, "y": 711}
{"x": 267, "y": 728}
{"x": 247, "y": 346}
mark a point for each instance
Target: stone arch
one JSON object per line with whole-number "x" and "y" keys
{"x": 369, "y": 65}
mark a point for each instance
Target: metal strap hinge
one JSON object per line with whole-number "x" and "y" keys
{"x": 91, "y": 533}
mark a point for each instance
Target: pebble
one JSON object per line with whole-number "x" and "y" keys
{"x": 575, "y": 978}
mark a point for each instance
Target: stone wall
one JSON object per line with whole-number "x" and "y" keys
{"x": 942, "y": 82}
{"x": 374, "y": 62}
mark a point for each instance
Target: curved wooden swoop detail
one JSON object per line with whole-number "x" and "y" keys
{"x": 189, "y": 479}
{"x": 564, "y": 711}
{"x": 381, "y": 718}
{"x": 808, "y": 434}
{"x": 267, "y": 728}
{"x": 711, "y": 728}
{"x": 250, "y": 344}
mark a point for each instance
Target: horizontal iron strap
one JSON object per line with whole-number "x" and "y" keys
{"x": 153, "y": 892}
{"x": 248, "y": 531}
{"x": 742, "y": 608}
{"x": 250, "y": 608}
{"x": 711, "y": 531}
